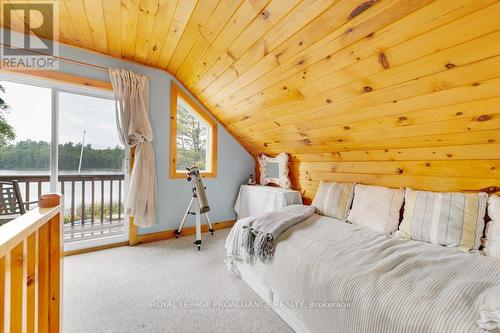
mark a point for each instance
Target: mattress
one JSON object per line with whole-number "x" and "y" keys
{"x": 339, "y": 277}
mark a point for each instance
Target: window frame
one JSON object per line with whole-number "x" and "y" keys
{"x": 176, "y": 92}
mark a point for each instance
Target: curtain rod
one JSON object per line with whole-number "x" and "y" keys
{"x": 101, "y": 68}
{"x": 68, "y": 60}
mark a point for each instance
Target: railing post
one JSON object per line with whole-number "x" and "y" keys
{"x": 54, "y": 266}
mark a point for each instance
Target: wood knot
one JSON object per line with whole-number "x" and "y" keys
{"x": 284, "y": 88}
{"x": 459, "y": 113}
{"x": 427, "y": 164}
{"x": 328, "y": 101}
{"x": 361, "y": 8}
{"x": 277, "y": 57}
{"x": 449, "y": 155}
{"x": 230, "y": 55}
{"x": 155, "y": 47}
{"x": 367, "y": 89}
{"x": 264, "y": 14}
{"x": 383, "y": 60}
{"x": 402, "y": 119}
{"x": 302, "y": 134}
{"x": 484, "y": 117}
{"x": 349, "y": 30}
{"x": 399, "y": 171}
{"x": 491, "y": 189}
{"x": 450, "y": 65}
{"x": 475, "y": 84}
{"x": 301, "y": 62}
{"x": 301, "y": 43}
{"x": 306, "y": 141}
{"x": 493, "y": 168}
{"x": 265, "y": 144}
{"x": 491, "y": 141}
{"x": 30, "y": 280}
{"x": 347, "y": 128}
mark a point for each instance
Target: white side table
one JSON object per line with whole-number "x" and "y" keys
{"x": 254, "y": 200}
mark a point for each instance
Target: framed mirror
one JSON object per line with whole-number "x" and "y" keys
{"x": 274, "y": 170}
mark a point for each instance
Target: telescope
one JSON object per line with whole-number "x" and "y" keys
{"x": 198, "y": 203}
{"x": 198, "y": 188}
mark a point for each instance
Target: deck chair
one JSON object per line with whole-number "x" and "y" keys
{"x": 11, "y": 201}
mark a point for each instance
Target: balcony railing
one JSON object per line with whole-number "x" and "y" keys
{"x": 31, "y": 270}
{"x": 93, "y": 203}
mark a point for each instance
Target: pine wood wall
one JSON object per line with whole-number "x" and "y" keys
{"x": 416, "y": 104}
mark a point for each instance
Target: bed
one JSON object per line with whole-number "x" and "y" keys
{"x": 360, "y": 280}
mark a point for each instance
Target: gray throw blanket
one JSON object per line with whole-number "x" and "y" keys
{"x": 262, "y": 230}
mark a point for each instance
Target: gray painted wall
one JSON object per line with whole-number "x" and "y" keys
{"x": 234, "y": 164}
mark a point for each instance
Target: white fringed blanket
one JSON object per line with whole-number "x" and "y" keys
{"x": 260, "y": 231}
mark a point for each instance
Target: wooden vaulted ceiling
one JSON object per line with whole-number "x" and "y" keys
{"x": 392, "y": 92}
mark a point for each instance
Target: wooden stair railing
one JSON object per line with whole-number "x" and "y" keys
{"x": 31, "y": 271}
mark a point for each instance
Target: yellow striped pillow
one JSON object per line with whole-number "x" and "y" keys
{"x": 334, "y": 199}
{"x": 450, "y": 219}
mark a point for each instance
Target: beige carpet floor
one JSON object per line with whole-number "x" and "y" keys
{"x": 165, "y": 286}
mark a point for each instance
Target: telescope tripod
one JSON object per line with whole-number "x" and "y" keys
{"x": 197, "y": 212}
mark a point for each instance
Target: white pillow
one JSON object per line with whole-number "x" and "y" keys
{"x": 494, "y": 207}
{"x": 491, "y": 242}
{"x": 376, "y": 207}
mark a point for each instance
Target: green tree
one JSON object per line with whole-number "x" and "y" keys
{"x": 6, "y": 131}
{"x": 35, "y": 155}
{"x": 191, "y": 140}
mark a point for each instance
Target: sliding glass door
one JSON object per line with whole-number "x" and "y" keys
{"x": 26, "y": 138}
{"x": 66, "y": 141}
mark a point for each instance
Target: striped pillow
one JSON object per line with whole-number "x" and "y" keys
{"x": 449, "y": 219}
{"x": 334, "y": 199}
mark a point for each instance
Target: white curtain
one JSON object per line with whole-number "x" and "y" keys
{"x": 131, "y": 95}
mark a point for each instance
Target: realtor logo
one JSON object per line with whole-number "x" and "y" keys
{"x": 28, "y": 34}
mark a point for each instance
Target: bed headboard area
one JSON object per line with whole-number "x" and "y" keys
{"x": 411, "y": 102}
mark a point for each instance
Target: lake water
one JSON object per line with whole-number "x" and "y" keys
{"x": 67, "y": 186}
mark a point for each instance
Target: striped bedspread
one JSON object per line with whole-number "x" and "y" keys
{"x": 384, "y": 284}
